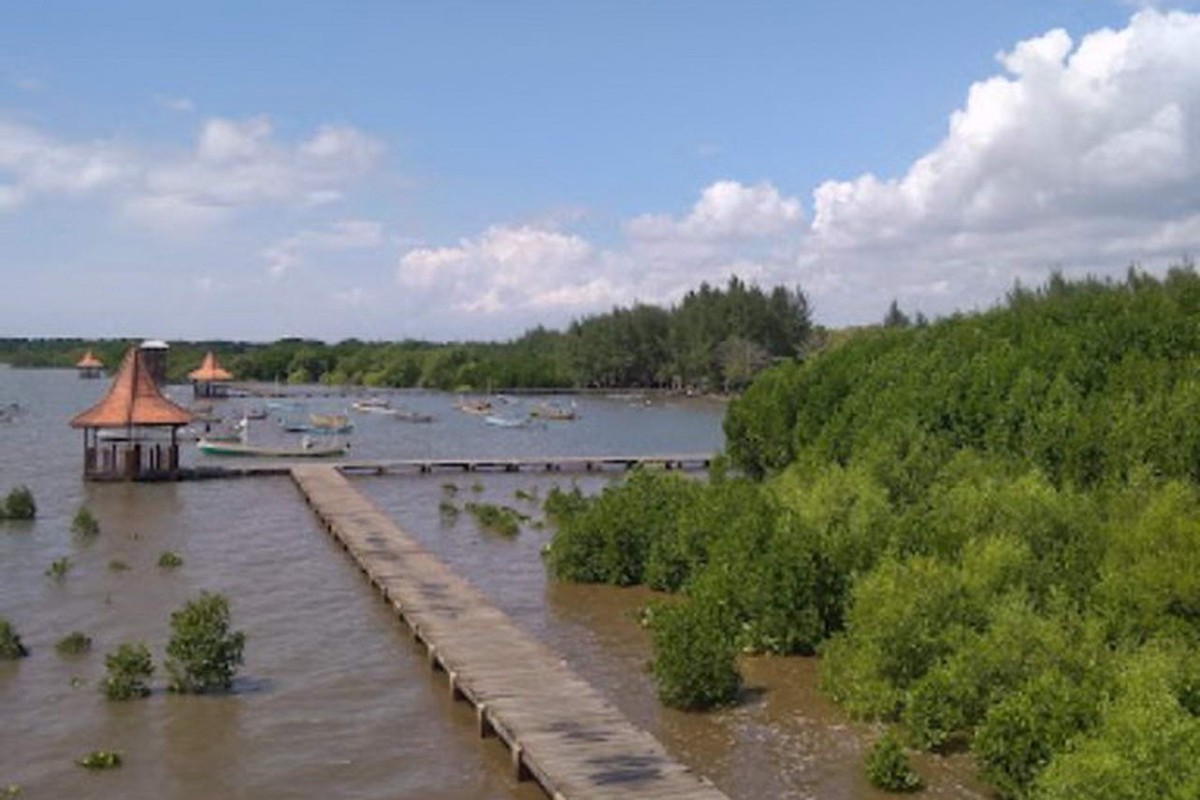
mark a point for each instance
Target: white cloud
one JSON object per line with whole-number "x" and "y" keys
{"x": 348, "y": 234}
{"x": 1085, "y": 157}
{"x": 235, "y": 165}
{"x": 531, "y": 273}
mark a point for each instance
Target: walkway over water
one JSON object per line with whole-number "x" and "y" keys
{"x": 560, "y": 731}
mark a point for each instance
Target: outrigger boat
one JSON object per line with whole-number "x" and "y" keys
{"x": 307, "y": 449}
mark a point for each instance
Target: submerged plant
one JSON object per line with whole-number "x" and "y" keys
{"x": 528, "y": 495}
{"x": 19, "y": 504}
{"x": 59, "y": 568}
{"x": 85, "y": 523}
{"x": 11, "y": 647}
{"x": 117, "y": 565}
{"x": 203, "y": 654}
{"x": 497, "y": 519}
{"x": 477, "y": 486}
{"x": 448, "y": 511}
{"x": 129, "y": 668}
{"x": 74, "y": 643}
{"x": 101, "y": 759}
{"x": 450, "y": 489}
{"x": 170, "y": 560}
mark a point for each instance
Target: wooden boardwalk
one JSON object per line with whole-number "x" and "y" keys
{"x": 559, "y": 730}
{"x": 529, "y": 463}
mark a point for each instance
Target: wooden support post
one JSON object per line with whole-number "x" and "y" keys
{"x": 520, "y": 770}
{"x": 483, "y": 723}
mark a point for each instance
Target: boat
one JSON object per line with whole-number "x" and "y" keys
{"x": 404, "y": 415}
{"x": 373, "y": 406}
{"x": 330, "y": 423}
{"x": 553, "y": 412}
{"x": 307, "y": 449}
{"x": 477, "y": 407}
{"x": 507, "y": 422}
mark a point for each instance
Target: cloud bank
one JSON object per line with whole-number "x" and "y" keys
{"x": 1081, "y": 155}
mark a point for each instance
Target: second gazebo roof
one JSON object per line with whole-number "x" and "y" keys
{"x": 210, "y": 370}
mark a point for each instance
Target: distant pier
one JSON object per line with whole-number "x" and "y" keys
{"x": 559, "y": 730}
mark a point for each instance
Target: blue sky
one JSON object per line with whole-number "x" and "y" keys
{"x": 465, "y": 170}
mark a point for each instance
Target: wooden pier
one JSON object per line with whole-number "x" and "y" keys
{"x": 559, "y": 730}
{"x": 681, "y": 461}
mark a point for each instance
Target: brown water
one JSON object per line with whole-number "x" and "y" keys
{"x": 334, "y": 699}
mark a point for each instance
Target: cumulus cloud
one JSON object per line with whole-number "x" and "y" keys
{"x": 348, "y": 234}
{"x": 234, "y": 165}
{"x": 1084, "y": 156}
{"x": 550, "y": 275}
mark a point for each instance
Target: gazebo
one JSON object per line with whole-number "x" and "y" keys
{"x": 123, "y": 434}
{"x": 89, "y": 366}
{"x": 210, "y": 380}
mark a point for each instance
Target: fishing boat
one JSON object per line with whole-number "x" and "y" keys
{"x": 404, "y": 415}
{"x": 507, "y": 422}
{"x": 373, "y": 406}
{"x": 307, "y": 449}
{"x": 478, "y": 408}
{"x": 553, "y": 412}
{"x": 330, "y": 423}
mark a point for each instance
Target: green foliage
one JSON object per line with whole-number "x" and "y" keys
{"x": 85, "y": 523}
{"x": 101, "y": 759}
{"x": 59, "y": 568}
{"x": 561, "y": 504}
{"x": 612, "y": 537}
{"x": 74, "y": 643}
{"x": 117, "y": 565}
{"x": 448, "y": 511}
{"x": 129, "y": 668}
{"x": 497, "y": 519}
{"x": 203, "y": 654}
{"x": 170, "y": 560}
{"x": 11, "y": 647}
{"x": 888, "y": 767}
{"x": 18, "y": 505}
{"x": 695, "y": 662}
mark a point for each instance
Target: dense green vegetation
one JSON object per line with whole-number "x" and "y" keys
{"x": 101, "y": 759}
{"x": 129, "y": 669}
{"x": 18, "y": 504}
{"x": 169, "y": 559}
{"x": 989, "y": 527}
{"x": 11, "y": 647}
{"x": 75, "y": 643}
{"x": 203, "y": 654}
{"x": 503, "y": 520}
{"x": 714, "y": 339}
{"x": 888, "y": 767}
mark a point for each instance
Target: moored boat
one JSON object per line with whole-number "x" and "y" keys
{"x": 306, "y": 450}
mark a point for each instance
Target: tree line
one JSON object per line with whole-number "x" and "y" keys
{"x": 714, "y": 339}
{"x": 987, "y": 526}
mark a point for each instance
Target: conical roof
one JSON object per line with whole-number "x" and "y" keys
{"x": 89, "y": 361}
{"x": 210, "y": 370}
{"x": 132, "y": 399}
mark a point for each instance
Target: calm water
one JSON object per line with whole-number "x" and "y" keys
{"x": 334, "y": 699}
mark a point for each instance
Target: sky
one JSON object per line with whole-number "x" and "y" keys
{"x": 468, "y": 170}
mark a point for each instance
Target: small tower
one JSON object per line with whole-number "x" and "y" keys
{"x": 89, "y": 366}
{"x": 154, "y": 356}
{"x": 210, "y": 379}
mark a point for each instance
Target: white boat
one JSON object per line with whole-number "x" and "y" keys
{"x": 507, "y": 422}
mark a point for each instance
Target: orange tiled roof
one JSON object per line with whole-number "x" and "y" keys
{"x": 89, "y": 361}
{"x": 132, "y": 399}
{"x": 210, "y": 370}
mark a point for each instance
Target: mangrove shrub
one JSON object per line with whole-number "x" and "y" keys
{"x": 203, "y": 654}
{"x": 11, "y": 647}
{"x": 129, "y": 670}
{"x": 18, "y": 504}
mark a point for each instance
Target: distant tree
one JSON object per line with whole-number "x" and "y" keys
{"x": 895, "y": 318}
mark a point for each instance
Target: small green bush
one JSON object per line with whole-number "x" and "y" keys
{"x": 528, "y": 495}
{"x": 450, "y": 489}
{"x": 73, "y": 644}
{"x": 19, "y": 504}
{"x": 129, "y": 668}
{"x": 101, "y": 759}
{"x": 497, "y": 519}
{"x": 85, "y": 523}
{"x": 888, "y": 767}
{"x": 448, "y": 511}
{"x": 203, "y": 653}
{"x": 170, "y": 560}
{"x": 10, "y": 642}
{"x": 59, "y": 568}
{"x": 117, "y": 565}
{"x": 695, "y": 656}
